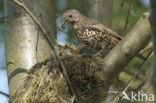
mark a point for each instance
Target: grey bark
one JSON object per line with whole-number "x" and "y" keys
{"x": 153, "y": 26}
{"x": 134, "y": 41}
{"x": 100, "y": 10}
{"x": 21, "y": 38}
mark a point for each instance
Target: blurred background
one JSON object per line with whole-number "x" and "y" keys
{"x": 67, "y": 36}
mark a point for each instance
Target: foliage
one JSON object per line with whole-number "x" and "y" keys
{"x": 137, "y": 10}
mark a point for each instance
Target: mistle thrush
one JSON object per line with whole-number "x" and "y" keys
{"x": 91, "y": 32}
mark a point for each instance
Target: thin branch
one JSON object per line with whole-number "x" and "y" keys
{"x": 149, "y": 46}
{"x": 127, "y": 19}
{"x": 112, "y": 92}
{"x": 133, "y": 77}
{"x": 7, "y": 95}
{"x": 45, "y": 34}
{"x": 122, "y": 3}
{"x": 37, "y": 40}
{"x": 121, "y": 7}
{"x": 140, "y": 86}
{"x": 131, "y": 72}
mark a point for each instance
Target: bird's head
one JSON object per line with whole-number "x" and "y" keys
{"x": 70, "y": 16}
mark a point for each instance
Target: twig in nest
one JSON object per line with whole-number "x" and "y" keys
{"x": 127, "y": 19}
{"x": 45, "y": 34}
{"x": 133, "y": 77}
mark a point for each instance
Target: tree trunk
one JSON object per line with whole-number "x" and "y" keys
{"x": 100, "y": 10}
{"x": 153, "y": 26}
{"x": 25, "y": 44}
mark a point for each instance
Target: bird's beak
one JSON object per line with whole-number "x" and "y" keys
{"x": 64, "y": 24}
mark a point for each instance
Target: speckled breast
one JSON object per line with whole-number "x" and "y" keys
{"x": 93, "y": 38}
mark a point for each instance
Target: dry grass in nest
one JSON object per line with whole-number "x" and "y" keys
{"x": 44, "y": 84}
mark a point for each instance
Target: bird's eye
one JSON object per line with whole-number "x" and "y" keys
{"x": 70, "y": 16}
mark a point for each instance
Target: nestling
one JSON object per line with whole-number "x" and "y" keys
{"x": 91, "y": 32}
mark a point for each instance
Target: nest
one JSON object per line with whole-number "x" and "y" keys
{"x": 44, "y": 84}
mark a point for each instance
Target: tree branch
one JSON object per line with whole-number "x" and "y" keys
{"x": 127, "y": 19}
{"x": 20, "y": 38}
{"x": 134, "y": 41}
{"x": 148, "y": 47}
{"x": 134, "y": 76}
{"x": 5, "y": 94}
{"x": 21, "y": 4}
{"x": 120, "y": 10}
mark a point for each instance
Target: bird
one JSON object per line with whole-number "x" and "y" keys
{"x": 91, "y": 32}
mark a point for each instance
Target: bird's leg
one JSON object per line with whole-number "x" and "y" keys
{"x": 81, "y": 45}
{"x": 95, "y": 45}
{"x": 100, "y": 51}
{"x": 76, "y": 51}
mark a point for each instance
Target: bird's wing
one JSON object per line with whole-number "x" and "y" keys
{"x": 93, "y": 24}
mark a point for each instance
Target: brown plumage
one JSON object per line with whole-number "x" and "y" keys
{"x": 91, "y": 32}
